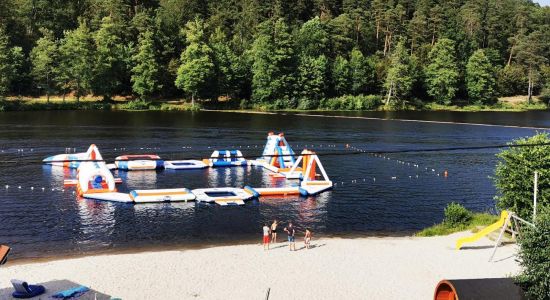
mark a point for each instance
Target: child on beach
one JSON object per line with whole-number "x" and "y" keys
{"x": 307, "y": 238}
{"x": 290, "y": 231}
{"x": 266, "y": 237}
{"x": 274, "y": 231}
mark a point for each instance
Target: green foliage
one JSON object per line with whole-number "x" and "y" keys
{"x": 273, "y": 63}
{"x": 45, "y": 61}
{"x": 341, "y": 76}
{"x": 350, "y": 102}
{"x": 312, "y": 73}
{"x": 146, "y": 69}
{"x": 511, "y": 80}
{"x": 197, "y": 67}
{"x": 111, "y": 57}
{"x": 480, "y": 78}
{"x": 362, "y": 72}
{"x": 10, "y": 63}
{"x": 227, "y": 66}
{"x": 534, "y": 257}
{"x": 399, "y": 79}
{"x": 477, "y": 220}
{"x": 514, "y": 175}
{"x": 138, "y": 104}
{"x": 77, "y": 53}
{"x": 456, "y": 215}
{"x": 442, "y": 71}
{"x": 260, "y": 49}
{"x": 313, "y": 38}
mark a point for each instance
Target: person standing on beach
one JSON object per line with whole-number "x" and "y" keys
{"x": 290, "y": 231}
{"x": 307, "y": 238}
{"x": 266, "y": 237}
{"x": 274, "y": 231}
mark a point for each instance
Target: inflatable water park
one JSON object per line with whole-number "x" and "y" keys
{"x": 95, "y": 180}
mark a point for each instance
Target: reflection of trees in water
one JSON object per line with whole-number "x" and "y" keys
{"x": 58, "y": 173}
{"x": 97, "y": 221}
{"x": 139, "y": 180}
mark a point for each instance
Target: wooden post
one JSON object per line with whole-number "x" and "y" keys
{"x": 535, "y": 190}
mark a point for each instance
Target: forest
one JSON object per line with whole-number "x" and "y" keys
{"x": 301, "y": 54}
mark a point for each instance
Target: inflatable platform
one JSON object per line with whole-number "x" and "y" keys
{"x": 226, "y": 158}
{"x": 184, "y": 164}
{"x": 139, "y": 162}
{"x": 223, "y": 196}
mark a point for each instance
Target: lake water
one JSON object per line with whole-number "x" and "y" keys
{"x": 373, "y": 195}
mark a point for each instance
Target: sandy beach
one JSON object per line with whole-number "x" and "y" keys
{"x": 335, "y": 268}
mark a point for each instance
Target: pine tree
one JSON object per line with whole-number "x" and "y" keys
{"x": 312, "y": 80}
{"x": 531, "y": 54}
{"x": 480, "y": 78}
{"x": 442, "y": 72}
{"x": 197, "y": 67}
{"x": 145, "y": 72}
{"x": 273, "y": 63}
{"x": 10, "y": 62}
{"x": 110, "y": 66}
{"x": 77, "y": 52}
{"x": 45, "y": 61}
{"x": 400, "y": 77}
{"x": 225, "y": 64}
{"x": 362, "y": 73}
{"x": 341, "y": 76}
{"x": 312, "y": 39}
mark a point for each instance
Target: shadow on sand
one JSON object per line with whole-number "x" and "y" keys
{"x": 55, "y": 286}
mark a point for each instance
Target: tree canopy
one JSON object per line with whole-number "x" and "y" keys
{"x": 273, "y": 52}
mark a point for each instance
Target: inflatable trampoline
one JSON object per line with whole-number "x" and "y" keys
{"x": 184, "y": 164}
{"x": 139, "y": 162}
{"x": 223, "y": 196}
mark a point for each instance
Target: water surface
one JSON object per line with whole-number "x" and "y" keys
{"x": 373, "y": 195}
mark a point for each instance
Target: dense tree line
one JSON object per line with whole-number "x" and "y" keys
{"x": 284, "y": 54}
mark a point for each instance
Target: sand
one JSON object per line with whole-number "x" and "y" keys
{"x": 335, "y": 268}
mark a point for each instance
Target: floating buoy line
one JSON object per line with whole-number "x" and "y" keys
{"x": 347, "y": 150}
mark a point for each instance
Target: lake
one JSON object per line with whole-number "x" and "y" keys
{"x": 392, "y": 194}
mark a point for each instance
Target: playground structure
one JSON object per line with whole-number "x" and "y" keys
{"x": 72, "y": 160}
{"x": 226, "y": 158}
{"x": 508, "y": 221}
{"x": 308, "y": 175}
{"x": 92, "y": 175}
{"x": 95, "y": 180}
{"x": 277, "y": 155}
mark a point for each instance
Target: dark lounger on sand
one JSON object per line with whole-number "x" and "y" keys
{"x": 24, "y": 290}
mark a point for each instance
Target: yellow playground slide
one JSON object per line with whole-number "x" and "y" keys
{"x": 485, "y": 231}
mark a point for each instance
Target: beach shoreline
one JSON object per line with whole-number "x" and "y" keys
{"x": 16, "y": 259}
{"x": 354, "y": 268}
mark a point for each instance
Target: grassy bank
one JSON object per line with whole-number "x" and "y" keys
{"x": 57, "y": 103}
{"x": 345, "y": 103}
{"x": 458, "y": 218}
{"x": 443, "y": 228}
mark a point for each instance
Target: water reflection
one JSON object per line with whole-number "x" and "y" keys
{"x": 139, "y": 180}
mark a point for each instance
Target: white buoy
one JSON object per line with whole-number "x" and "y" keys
{"x": 19, "y": 187}
{"x": 7, "y": 186}
{"x": 32, "y": 188}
